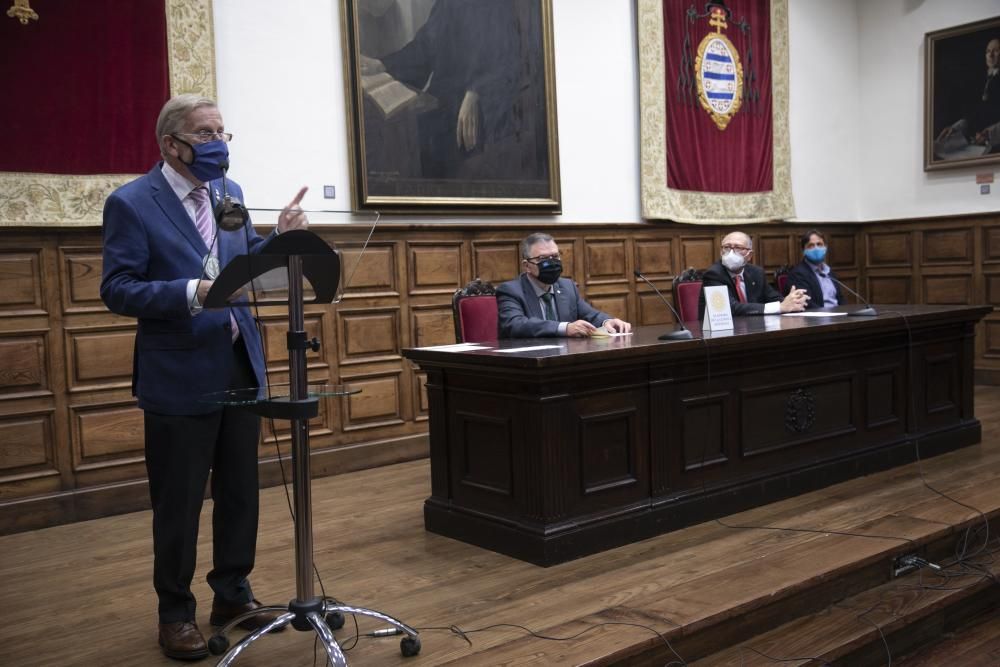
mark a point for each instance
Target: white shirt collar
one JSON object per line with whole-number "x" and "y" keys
{"x": 181, "y": 186}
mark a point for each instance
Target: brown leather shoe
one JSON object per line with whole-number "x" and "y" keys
{"x": 182, "y": 641}
{"x": 223, "y": 612}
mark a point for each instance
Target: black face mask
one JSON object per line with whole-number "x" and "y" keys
{"x": 549, "y": 270}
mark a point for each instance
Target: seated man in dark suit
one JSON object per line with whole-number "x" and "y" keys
{"x": 813, "y": 274}
{"x": 749, "y": 291}
{"x": 540, "y": 303}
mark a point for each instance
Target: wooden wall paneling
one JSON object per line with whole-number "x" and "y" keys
{"x": 54, "y": 279}
{"x": 947, "y": 246}
{"x": 608, "y": 274}
{"x": 107, "y": 442}
{"x": 774, "y": 250}
{"x": 496, "y": 261}
{"x": 24, "y": 364}
{"x": 436, "y": 267}
{"x": 991, "y": 287}
{"x": 947, "y": 286}
{"x": 654, "y": 257}
{"x": 842, "y": 250}
{"x": 889, "y": 286}
{"x": 651, "y": 310}
{"x": 380, "y": 402}
{"x": 991, "y": 340}
{"x": 606, "y": 261}
{"x": 373, "y": 273}
{"x": 27, "y": 454}
{"x": 21, "y": 281}
{"x": 616, "y": 305}
{"x": 80, "y": 283}
{"x": 889, "y": 249}
{"x": 99, "y": 357}
{"x": 572, "y": 264}
{"x": 698, "y": 252}
{"x": 368, "y": 334}
{"x": 991, "y": 242}
{"x": 432, "y": 325}
{"x": 64, "y": 379}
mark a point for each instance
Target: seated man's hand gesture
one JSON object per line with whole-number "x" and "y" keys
{"x": 796, "y": 301}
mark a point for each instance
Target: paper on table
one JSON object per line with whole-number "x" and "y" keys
{"x": 530, "y": 348}
{"x": 607, "y": 334}
{"x": 813, "y": 313}
{"x": 456, "y": 347}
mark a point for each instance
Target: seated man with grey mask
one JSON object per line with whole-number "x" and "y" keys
{"x": 749, "y": 291}
{"x": 541, "y": 303}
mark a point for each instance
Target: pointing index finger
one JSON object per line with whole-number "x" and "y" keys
{"x": 299, "y": 196}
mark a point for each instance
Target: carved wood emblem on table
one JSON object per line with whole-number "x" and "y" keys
{"x": 800, "y": 411}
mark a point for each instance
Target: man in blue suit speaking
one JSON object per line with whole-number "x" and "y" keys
{"x": 540, "y": 303}
{"x": 162, "y": 250}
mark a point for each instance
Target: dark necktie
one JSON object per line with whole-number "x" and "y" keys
{"x": 550, "y": 308}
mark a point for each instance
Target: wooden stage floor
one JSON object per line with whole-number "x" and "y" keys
{"x": 81, "y": 594}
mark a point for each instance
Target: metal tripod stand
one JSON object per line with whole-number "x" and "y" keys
{"x": 307, "y": 611}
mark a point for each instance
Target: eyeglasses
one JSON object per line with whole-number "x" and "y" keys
{"x": 542, "y": 258}
{"x": 205, "y": 136}
{"x": 736, "y": 248}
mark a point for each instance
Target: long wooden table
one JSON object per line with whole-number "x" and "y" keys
{"x": 551, "y": 454}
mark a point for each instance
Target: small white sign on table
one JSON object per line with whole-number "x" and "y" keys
{"x": 718, "y": 313}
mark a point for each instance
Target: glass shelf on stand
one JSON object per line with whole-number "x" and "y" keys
{"x": 275, "y": 401}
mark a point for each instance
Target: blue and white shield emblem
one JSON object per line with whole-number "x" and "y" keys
{"x": 719, "y": 76}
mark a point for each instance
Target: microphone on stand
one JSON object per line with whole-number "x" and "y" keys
{"x": 230, "y": 214}
{"x": 867, "y": 311}
{"x": 680, "y": 334}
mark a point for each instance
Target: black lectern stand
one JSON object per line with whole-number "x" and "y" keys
{"x": 305, "y": 255}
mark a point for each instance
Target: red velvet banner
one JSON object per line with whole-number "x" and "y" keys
{"x": 82, "y": 87}
{"x": 702, "y": 70}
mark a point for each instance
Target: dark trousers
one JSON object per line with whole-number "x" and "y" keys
{"x": 180, "y": 452}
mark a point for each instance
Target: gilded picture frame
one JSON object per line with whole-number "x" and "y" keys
{"x": 58, "y": 200}
{"x": 451, "y": 107}
{"x": 962, "y": 96}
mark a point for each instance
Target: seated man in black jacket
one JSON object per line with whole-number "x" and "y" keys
{"x": 749, "y": 291}
{"x": 813, "y": 274}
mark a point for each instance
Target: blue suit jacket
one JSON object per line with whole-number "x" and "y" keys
{"x": 151, "y": 250}
{"x": 520, "y": 314}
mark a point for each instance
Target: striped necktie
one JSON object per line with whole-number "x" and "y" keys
{"x": 205, "y": 223}
{"x": 203, "y": 219}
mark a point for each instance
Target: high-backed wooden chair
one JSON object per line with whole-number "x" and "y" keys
{"x": 687, "y": 290}
{"x": 475, "y": 311}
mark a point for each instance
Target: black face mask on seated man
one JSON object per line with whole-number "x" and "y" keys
{"x": 549, "y": 270}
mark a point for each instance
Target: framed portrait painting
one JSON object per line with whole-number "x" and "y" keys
{"x": 962, "y": 112}
{"x": 451, "y": 105}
